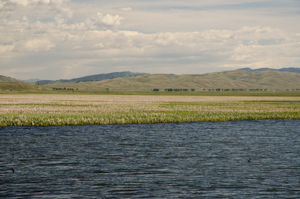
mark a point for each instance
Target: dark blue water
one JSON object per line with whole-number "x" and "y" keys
{"x": 185, "y": 160}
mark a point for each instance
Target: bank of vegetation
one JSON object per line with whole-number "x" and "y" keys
{"x": 52, "y": 110}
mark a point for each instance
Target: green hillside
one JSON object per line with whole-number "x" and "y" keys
{"x": 8, "y": 83}
{"x": 237, "y": 79}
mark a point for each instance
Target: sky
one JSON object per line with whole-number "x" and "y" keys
{"x": 64, "y": 39}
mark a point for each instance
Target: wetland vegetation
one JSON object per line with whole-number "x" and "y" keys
{"x": 81, "y": 109}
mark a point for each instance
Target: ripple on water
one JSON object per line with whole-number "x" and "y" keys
{"x": 152, "y": 160}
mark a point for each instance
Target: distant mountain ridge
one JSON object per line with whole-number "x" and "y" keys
{"x": 292, "y": 70}
{"x": 30, "y": 80}
{"x": 93, "y": 77}
{"x": 113, "y": 75}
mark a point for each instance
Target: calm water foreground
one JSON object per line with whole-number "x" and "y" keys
{"x": 183, "y": 160}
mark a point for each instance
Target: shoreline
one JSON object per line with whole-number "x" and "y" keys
{"x": 71, "y": 125}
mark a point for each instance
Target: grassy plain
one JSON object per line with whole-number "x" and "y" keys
{"x": 94, "y": 108}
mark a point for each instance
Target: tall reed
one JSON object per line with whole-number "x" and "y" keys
{"x": 52, "y": 110}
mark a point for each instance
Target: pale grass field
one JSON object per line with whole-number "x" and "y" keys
{"x": 48, "y": 110}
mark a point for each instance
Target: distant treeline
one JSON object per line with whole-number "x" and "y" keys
{"x": 175, "y": 89}
{"x": 250, "y": 89}
{"x": 234, "y": 89}
{"x": 69, "y": 89}
{"x": 227, "y": 89}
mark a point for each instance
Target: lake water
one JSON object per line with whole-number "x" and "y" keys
{"x": 176, "y": 160}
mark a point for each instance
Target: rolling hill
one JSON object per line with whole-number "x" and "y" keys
{"x": 8, "y": 79}
{"x": 237, "y": 79}
{"x": 8, "y": 83}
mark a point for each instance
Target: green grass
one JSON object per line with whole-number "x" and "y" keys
{"x": 136, "y": 118}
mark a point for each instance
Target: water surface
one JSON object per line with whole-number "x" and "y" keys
{"x": 176, "y": 160}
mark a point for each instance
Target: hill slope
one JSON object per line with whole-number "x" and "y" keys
{"x": 93, "y": 77}
{"x": 8, "y": 79}
{"x": 8, "y": 83}
{"x": 237, "y": 79}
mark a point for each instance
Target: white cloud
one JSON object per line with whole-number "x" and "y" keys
{"x": 6, "y": 48}
{"x": 99, "y": 45}
{"x": 77, "y": 47}
{"x": 126, "y": 9}
{"x": 259, "y": 33}
{"x": 36, "y": 10}
{"x": 150, "y": 41}
{"x": 38, "y": 45}
{"x": 101, "y": 20}
{"x": 26, "y": 3}
{"x": 210, "y": 48}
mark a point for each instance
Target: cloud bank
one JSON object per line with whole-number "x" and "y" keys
{"x": 54, "y": 39}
